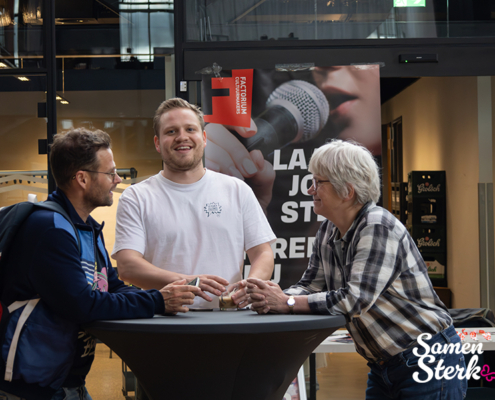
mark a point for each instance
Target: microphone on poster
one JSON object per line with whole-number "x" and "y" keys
{"x": 296, "y": 111}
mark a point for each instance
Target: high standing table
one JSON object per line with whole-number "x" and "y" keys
{"x": 217, "y": 355}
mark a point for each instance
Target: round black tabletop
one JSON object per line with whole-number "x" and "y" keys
{"x": 211, "y": 322}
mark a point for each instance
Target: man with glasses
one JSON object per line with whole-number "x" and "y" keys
{"x": 76, "y": 285}
{"x": 367, "y": 267}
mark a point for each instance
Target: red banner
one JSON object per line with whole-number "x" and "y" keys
{"x": 234, "y": 109}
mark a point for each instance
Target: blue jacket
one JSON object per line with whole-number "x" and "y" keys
{"x": 45, "y": 261}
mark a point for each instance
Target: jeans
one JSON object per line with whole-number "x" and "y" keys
{"x": 393, "y": 379}
{"x": 77, "y": 393}
{"x": 8, "y": 396}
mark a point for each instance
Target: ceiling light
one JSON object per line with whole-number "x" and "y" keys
{"x": 23, "y": 78}
{"x": 30, "y": 15}
{"x": 3, "y": 65}
{"x": 5, "y": 19}
{"x": 61, "y": 99}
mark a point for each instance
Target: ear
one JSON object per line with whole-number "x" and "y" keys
{"x": 81, "y": 179}
{"x": 351, "y": 193}
{"x": 204, "y": 137}
{"x": 157, "y": 143}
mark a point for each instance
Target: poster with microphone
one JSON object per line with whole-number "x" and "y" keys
{"x": 263, "y": 126}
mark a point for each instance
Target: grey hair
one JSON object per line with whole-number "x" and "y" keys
{"x": 345, "y": 164}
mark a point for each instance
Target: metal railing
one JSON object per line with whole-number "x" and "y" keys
{"x": 22, "y": 180}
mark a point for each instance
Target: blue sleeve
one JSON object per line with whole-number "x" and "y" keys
{"x": 56, "y": 275}
{"x": 115, "y": 285}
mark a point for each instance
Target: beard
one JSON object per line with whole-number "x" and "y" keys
{"x": 98, "y": 198}
{"x": 177, "y": 164}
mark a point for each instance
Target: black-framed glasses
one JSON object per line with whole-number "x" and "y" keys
{"x": 111, "y": 174}
{"x": 316, "y": 183}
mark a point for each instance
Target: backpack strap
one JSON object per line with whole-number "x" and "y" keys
{"x": 30, "y": 304}
{"x": 17, "y": 304}
{"x": 54, "y": 206}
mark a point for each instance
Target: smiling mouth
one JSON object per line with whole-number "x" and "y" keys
{"x": 183, "y": 148}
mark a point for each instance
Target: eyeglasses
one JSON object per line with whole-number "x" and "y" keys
{"x": 111, "y": 174}
{"x": 316, "y": 183}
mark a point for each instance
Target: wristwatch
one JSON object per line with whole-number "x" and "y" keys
{"x": 291, "y": 303}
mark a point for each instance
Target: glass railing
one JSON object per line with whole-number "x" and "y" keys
{"x": 132, "y": 28}
{"x": 16, "y": 186}
{"x": 275, "y": 20}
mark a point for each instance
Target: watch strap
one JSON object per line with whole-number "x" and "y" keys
{"x": 291, "y": 303}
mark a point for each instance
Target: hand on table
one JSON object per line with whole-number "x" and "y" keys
{"x": 177, "y": 296}
{"x": 266, "y": 296}
{"x": 240, "y": 297}
{"x": 209, "y": 283}
{"x": 226, "y": 154}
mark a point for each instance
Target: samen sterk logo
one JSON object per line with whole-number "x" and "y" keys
{"x": 440, "y": 371}
{"x": 213, "y": 209}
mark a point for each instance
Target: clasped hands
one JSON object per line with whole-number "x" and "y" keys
{"x": 178, "y": 295}
{"x": 266, "y": 297}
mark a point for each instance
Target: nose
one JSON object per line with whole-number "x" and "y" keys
{"x": 312, "y": 190}
{"x": 117, "y": 178}
{"x": 181, "y": 135}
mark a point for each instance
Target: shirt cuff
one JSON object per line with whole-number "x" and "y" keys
{"x": 159, "y": 302}
{"x": 318, "y": 304}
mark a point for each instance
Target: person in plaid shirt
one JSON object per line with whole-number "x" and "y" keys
{"x": 366, "y": 266}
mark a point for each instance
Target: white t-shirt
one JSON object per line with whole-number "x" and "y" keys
{"x": 199, "y": 228}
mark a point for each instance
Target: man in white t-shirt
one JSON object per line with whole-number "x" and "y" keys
{"x": 188, "y": 222}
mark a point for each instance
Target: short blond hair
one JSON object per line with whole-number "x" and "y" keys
{"x": 172, "y": 104}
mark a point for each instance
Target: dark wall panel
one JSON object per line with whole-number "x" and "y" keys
{"x": 453, "y": 60}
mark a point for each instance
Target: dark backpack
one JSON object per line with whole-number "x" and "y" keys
{"x": 11, "y": 219}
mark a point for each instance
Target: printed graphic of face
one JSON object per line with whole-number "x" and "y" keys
{"x": 181, "y": 141}
{"x": 101, "y": 186}
{"x": 353, "y": 93}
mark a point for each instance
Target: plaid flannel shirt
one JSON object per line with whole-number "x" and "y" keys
{"x": 375, "y": 277}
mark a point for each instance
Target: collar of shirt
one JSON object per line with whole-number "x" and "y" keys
{"x": 334, "y": 235}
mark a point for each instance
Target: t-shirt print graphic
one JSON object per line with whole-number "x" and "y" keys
{"x": 213, "y": 209}
{"x": 100, "y": 281}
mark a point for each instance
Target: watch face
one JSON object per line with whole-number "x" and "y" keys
{"x": 291, "y": 301}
